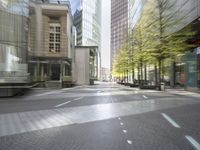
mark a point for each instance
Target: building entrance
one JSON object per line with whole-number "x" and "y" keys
{"x": 55, "y": 72}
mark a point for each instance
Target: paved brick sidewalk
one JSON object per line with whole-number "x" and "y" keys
{"x": 183, "y": 92}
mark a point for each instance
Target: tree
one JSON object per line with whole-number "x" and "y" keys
{"x": 164, "y": 42}
{"x": 120, "y": 65}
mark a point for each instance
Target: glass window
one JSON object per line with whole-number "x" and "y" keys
{"x": 54, "y": 38}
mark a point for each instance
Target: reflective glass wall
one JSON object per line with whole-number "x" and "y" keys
{"x": 13, "y": 41}
{"x": 91, "y": 22}
{"x": 87, "y": 21}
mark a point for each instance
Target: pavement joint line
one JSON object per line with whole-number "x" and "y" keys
{"x": 170, "y": 120}
{"x": 59, "y": 105}
{"x": 192, "y": 141}
{"x": 129, "y": 142}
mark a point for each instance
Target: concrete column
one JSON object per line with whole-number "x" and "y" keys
{"x": 64, "y": 70}
{"x": 38, "y": 28}
{"x": 42, "y": 71}
{"x": 38, "y": 70}
{"x": 50, "y": 72}
{"x": 61, "y": 71}
{"x": 35, "y": 72}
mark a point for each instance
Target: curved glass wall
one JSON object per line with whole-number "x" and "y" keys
{"x": 13, "y": 41}
{"x": 91, "y": 22}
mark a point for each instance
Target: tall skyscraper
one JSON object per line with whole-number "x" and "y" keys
{"x": 87, "y": 20}
{"x": 119, "y": 25}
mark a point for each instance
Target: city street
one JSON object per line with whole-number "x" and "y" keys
{"x": 103, "y": 116}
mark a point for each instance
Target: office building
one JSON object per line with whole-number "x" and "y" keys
{"x": 13, "y": 46}
{"x": 119, "y": 25}
{"x": 51, "y": 49}
{"x": 87, "y": 20}
{"x": 86, "y": 64}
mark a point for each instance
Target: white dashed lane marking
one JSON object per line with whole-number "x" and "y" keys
{"x": 193, "y": 142}
{"x": 121, "y": 123}
{"x": 129, "y": 142}
{"x": 77, "y": 99}
{"x": 170, "y": 120}
{"x": 145, "y": 97}
{"x": 63, "y": 104}
{"x": 59, "y": 105}
{"x": 125, "y": 131}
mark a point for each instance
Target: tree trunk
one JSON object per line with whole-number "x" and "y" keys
{"x": 133, "y": 74}
{"x": 145, "y": 73}
{"x": 163, "y": 71}
{"x": 127, "y": 76}
{"x": 156, "y": 75}
{"x": 124, "y": 81}
{"x": 159, "y": 74}
{"x": 138, "y": 75}
{"x": 141, "y": 67}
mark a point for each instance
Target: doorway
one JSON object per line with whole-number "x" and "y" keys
{"x": 55, "y": 72}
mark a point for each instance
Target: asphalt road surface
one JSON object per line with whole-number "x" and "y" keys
{"x": 104, "y": 116}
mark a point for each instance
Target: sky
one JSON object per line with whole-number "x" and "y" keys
{"x": 75, "y": 4}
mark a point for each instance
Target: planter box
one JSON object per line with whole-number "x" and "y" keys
{"x": 134, "y": 85}
{"x": 152, "y": 87}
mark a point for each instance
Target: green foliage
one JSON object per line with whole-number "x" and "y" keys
{"x": 156, "y": 37}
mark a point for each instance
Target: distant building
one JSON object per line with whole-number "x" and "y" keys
{"x": 86, "y": 64}
{"x": 119, "y": 25}
{"x": 13, "y": 46}
{"x": 51, "y": 49}
{"x": 87, "y": 20}
{"x": 105, "y": 74}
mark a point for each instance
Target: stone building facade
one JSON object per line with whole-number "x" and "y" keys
{"x": 51, "y": 49}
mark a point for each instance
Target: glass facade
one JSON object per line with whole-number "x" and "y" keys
{"x": 91, "y": 22}
{"x": 135, "y": 10}
{"x": 191, "y": 71}
{"x": 13, "y": 41}
{"x": 88, "y": 22}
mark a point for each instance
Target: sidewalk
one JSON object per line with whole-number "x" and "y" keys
{"x": 182, "y": 92}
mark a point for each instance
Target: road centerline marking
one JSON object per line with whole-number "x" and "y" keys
{"x": 192, "y": 141}
{"x": 170, "y": 120}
